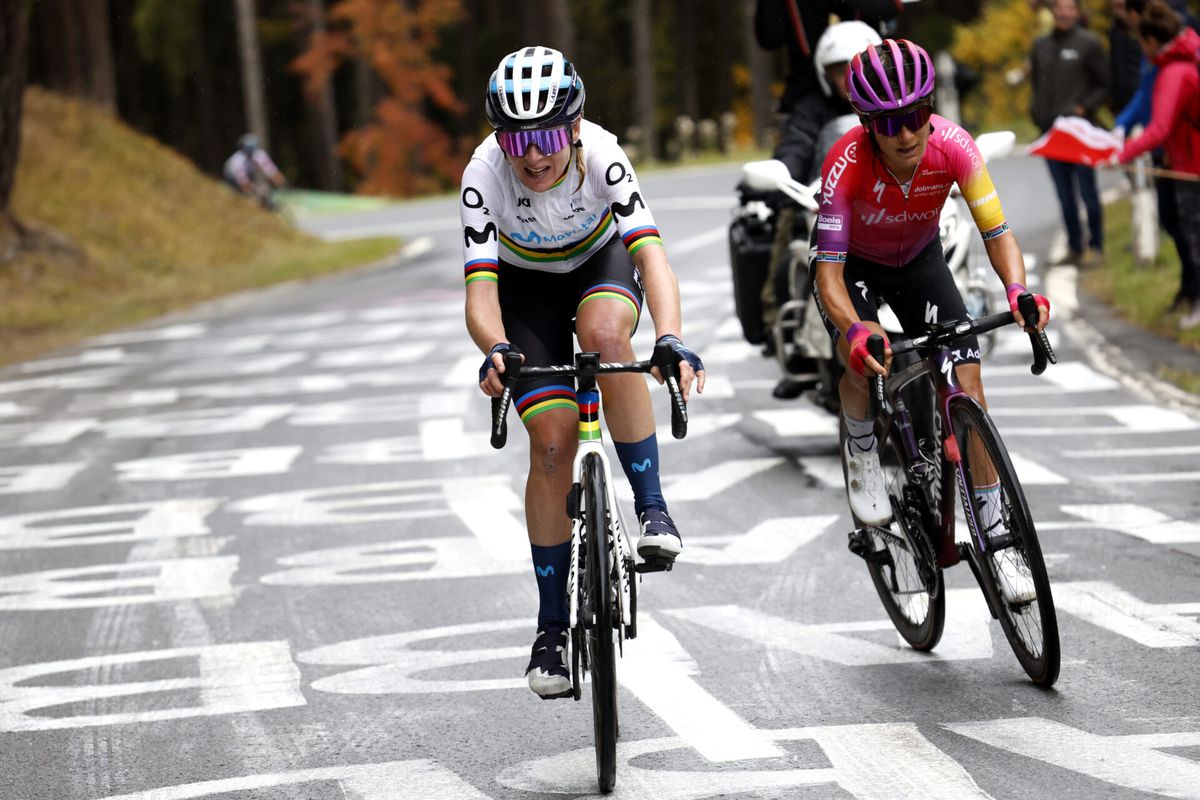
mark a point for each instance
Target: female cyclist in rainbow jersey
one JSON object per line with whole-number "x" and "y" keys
{"x": 557, "y": 240}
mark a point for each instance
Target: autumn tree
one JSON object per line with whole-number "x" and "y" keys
{"x": 405, "y": 149}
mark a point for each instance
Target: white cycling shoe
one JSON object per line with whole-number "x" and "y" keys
{"x": 547, "y": 673}
{"x": 1016, "y": 581}
{"x": 864, "y": 486}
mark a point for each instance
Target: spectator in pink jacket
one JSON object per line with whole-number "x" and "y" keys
{"x": 1175, "y": 127}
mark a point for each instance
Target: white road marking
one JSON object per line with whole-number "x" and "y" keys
{"x": 699, "y": 425}
{"x": 210, "y": 464}
{"x": 1128, "y": 419}
{"x": 1134, "y": 452}
{"x": 1149, "y": 477}
{"x": 118, "y": 584}
{"x": 1031, "y": 473}
{"x": 1129, "y": 761}
{"x": 709, "y": 482}
{"x": 1112, "y": 608}
{"x": 967, "y": 636}
{"x": 22, "y": 478}
{"x": 88, "y": 379}
{"x": 169, "y": 333}
{"x": 110, "y": 524}
{"x": 659, "y": 672}
{"x": 198, "y": 422}
{"x": 802, "y": 421}
{"x": 1069, "y": 377}
{"x": 769, "y": 542}
{"x": 216, "y": 679}
{"x": 41, "y": 434}
{"x": 1132, "y": 519}
{"x": 867, "y": 762}
{"x": 393, "y": 780}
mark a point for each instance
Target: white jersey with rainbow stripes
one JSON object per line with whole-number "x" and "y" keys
{"x": 555, "y": 230}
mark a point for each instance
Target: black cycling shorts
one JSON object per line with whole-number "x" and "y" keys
{"x": 920, "y": 293}
{"x": 538, "y": 310}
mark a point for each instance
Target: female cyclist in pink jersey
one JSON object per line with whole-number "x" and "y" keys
{"x": 883, "y": 187}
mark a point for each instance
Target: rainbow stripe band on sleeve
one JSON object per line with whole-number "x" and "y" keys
{"x": 545, "y": 398}
{"x": 832, "y": 256}
{"x": 999, "y": 230}
{"x": 613, "y": 291}
{"x": 482, "y": 269}
{"x": 638, "y": 238}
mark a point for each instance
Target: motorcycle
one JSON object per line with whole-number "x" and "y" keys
{"x": 773, "y": 201}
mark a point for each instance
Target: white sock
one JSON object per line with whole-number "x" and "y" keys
{"x": 987, "y": 502}
{"x": 861, "y": 433}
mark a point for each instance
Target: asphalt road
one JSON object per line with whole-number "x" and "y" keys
{"x": 263, "y": 550}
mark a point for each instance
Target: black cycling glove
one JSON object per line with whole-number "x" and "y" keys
{"x": 682, "y": 351}
{"x": 501, "y": 347}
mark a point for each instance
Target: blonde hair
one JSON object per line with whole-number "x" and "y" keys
{"x": 581, "y": 165}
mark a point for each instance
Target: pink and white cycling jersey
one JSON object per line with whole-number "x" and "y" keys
{"x": 865, "y": 211}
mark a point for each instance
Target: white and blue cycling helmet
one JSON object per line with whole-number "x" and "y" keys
{"x": 534, "y": 87}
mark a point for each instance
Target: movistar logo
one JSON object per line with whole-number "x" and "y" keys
{"x": 544, "y": 571}
{"x": 642, "y": 467}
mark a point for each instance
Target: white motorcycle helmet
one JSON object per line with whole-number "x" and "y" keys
{"x": 840, "y": 43}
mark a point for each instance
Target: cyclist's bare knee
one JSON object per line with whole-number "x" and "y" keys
{"x": 552, "y": 441}
{"x": 971, "y": 381}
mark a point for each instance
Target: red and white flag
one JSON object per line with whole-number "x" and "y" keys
{"x": 1078, "y": 141}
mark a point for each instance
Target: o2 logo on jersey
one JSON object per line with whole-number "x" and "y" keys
{"x": 620, "y": 174}
{"x": 471, "y": 198}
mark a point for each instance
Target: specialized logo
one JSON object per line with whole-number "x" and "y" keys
{"x": 863, "y": 285}
{"x": 880, "y": 186}
{"x": 544, "y": 571}
{"x": 829, "y": 222}
{"x": 882, "y": 217}
{"x": 642, "y": 467}
{"x": 931, "y": 313}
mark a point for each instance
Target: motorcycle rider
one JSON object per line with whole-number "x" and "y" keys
{"x": 807, "y": 137}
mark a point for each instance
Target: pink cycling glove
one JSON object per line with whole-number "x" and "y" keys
{"x": 1015, "y": 290}
{"x": 857, "y": 337}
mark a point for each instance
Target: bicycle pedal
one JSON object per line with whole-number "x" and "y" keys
{"x": 862, "y": 544}
{"x": 655, "y": 564}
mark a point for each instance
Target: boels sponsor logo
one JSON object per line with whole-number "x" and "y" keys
{"x": 829, "y": 222}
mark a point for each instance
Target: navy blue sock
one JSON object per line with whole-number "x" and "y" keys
{"x": 550, "y": 565}
{"x": 640, "y": 462}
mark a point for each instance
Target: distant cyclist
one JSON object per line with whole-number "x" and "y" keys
{"x": 249, "y": 168}
{"x": 558, "y": 240}
{"x": 883, "y": 188}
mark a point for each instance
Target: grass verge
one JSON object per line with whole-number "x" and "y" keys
{"x": 134, "y": 231}
{"x": 1141, "y": 294}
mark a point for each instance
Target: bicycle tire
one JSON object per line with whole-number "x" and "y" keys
{"x": 601, "y": 655}
{"x": 1030, "y": 627}
{"x": 915, "y": 604}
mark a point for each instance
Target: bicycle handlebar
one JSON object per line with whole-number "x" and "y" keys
{"x": 947, "y": 332}
{"x": 589, "y": 364}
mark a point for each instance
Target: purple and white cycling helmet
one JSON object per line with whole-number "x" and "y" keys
{"x": 889, "y": 77}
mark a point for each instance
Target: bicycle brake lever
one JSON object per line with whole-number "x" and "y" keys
{"x": 512, "y": 370}
{"x": 1042, "y": 351}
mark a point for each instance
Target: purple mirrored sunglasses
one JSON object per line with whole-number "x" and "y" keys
{"x": 549, "y": 141}
{"x": 913, "y": 119}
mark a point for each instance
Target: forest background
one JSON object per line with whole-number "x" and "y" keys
{"x": 384, "y": 96}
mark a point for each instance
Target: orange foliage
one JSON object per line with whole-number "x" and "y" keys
{"x": 402, "y": 151}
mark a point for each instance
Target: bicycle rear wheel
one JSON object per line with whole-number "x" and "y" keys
{"x": 1011, "y": 547}
{"x": 909, "y": 582}
{"x": 599, "y": 607}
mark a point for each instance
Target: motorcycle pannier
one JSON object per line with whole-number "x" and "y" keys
{"x": 750, "y": 240}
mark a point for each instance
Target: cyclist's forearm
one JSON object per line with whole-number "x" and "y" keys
{"x": 1006, "y": 258}
{"x": 484, "y": 322}
{"x": 662, "y": 290}
{"x": 834, "y": 297}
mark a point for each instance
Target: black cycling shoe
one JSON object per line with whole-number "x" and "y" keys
{"x": 547, "y": 672}
{"x": 660, "y": 541}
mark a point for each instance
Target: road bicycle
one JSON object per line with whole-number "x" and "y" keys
{"x": 600, "y": 585}
{"x": 932, "y": 435}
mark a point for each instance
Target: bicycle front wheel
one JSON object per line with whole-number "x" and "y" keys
{"x": 908, "y": 580}
{"x": 599, "y": 608}
{"x": 1009, "y": 555}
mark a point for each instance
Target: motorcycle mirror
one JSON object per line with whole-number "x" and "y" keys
{"x": 766, "y": 176}
{"x": 996, "y": 144}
